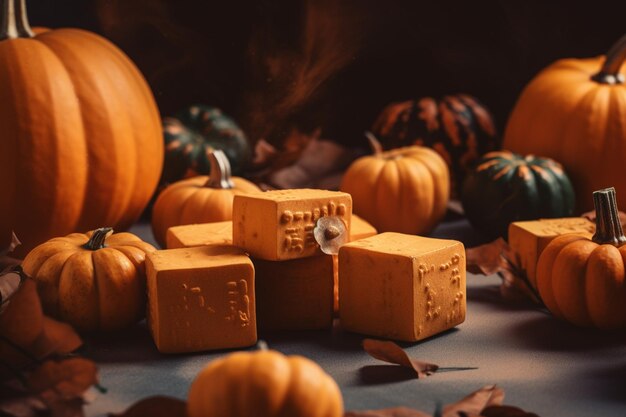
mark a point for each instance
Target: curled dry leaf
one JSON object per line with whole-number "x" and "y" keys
{"x": 388, "y": 412}
{"x": 476, "y": 402}
{"x": 27, "y": 335}
{"x": 65, "y": 379}
{"x": 497, "y": 257}
{"x": 157, "y": 406}
{"x": 392, "y": 353}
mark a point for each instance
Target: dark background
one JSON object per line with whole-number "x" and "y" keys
{"x": 335, "y": 64}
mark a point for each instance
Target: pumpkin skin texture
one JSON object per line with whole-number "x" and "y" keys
{"x": 200, "y": 199}
{"x": 583, "y": 281}
{"x": 506, "y": 187}
{"x": 457, "y": 126}
{"x": 403, "y": 190}
{"x": 81, "y": 136}
{"x": 263, "y": 384}
{"x": 101, "y": 288}
{"x": 193, "y": 134}
{"x": 569, "y": 114}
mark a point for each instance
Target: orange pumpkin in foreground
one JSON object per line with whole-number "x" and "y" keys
{"x": 81, "y": 135}
{"x": 94, "y": 281}
{"x": 403, "y": 190}
{"x": 199, "y": 199}
{"x": 573, "y": 112}
{"x": 264, "y": 384}
{"x": 584, "y": 281}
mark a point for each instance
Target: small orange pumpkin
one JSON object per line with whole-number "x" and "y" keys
{"x": 403, "y": 190}
{"x": 264, "y": 384}
{"x": 94, "y": 281}
{"x": 584, "y": 281}
{"x": 573, "y": 111}
{"x": 199, "y": 199}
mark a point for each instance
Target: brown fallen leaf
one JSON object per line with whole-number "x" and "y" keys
{"x": 26, "y": 335}
{"x": 392, "y": 353}
{"x": 67, "y": 378}
{"x": 388, "y": 412}
{"x": 157, "y": 406}
{"x": 497, "y": 257}
{"x": 476, "y": 402}
{"x": 505, "y": 411}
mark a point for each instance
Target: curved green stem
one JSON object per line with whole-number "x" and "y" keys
{"x": 97, "y": 239}
{"x": 609, "y": 74}
{"x": 608, "y": 226}
{"x": 14, "y": 20}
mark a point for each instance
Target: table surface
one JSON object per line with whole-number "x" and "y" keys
{"x": 544, "y": 365}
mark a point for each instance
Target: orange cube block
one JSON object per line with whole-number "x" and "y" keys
{"x": 201, "y": 299}
{"x": 204, "y": 234}
{"x": 278, "y": 225}
{"x": 529, "y": 238}
{"x": 360, "y": 228}
{"x": 401, "y": 287}
{"x": 295, "y": 294}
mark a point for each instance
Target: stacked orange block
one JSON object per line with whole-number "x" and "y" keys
{"x": 217, "y": 281}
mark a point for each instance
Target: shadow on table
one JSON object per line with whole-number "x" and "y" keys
{"x": 490, "y": 294}
{"x": 384, "y": 374}
{"x": 549, "y": 333}
{"x": 337, "y": 339}
{"x": 607, "y": 383}
{"x": 131, "y": 345}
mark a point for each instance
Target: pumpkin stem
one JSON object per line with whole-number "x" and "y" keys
{"x": 609, "y": 74}
{"x": 261, "y": 345}
{"x": 377, "y": 148}
{"x": 96, "y": 241}
{"x": 608, "y": 226}
{"x": 14, "y": 20}
{"x": 219, "y": 177}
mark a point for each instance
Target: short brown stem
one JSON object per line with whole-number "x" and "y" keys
{"x": 608, "y": 226}
{"x": 610, "y": 72}
{"x": 219, "y": 177}
{"x": 14, "y": 20}
{"x": 97, "y": 239}
{"x": 331, "y": 233}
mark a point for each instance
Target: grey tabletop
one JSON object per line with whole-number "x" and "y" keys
{"x": 544, "y": 365}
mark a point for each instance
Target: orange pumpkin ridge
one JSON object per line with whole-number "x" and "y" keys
{"x": 572, "y": 111}
{"x": 582, "y": 280}
{"x": 94, "y": 281}
{"x": 82, "y": 135}
{"x": 199, "y": 199}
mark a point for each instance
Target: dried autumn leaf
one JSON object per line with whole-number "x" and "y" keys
{"x": 487, "y": 259}
{"x": 56, "y": 338}
{"x": 497, "y": 257}
{"x": 392, "y": 353}
{"x": 476, "y": 402}
{"x": 505, "y": 411}
{"x": 15, "y": 242}
{"x": 157, "y": 406}
{"x": 387, "y": 412}
{"x": 67, "y": 379}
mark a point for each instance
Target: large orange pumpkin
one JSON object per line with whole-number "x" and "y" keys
{"x": 584, "y": 281}
{"x": 264, "y": 384}
{"x": 81, "y": 141}
{"x": 573, "y": 111}
{"x": 403, "y": 190}
{"x": 199, "y": 199}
